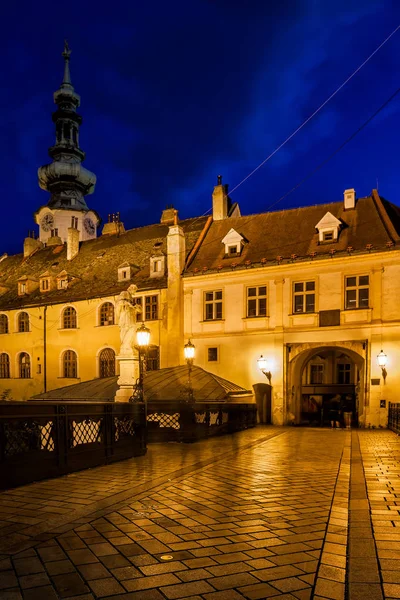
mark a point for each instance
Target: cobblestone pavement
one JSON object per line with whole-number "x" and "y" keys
{"x": 284, "y": 513}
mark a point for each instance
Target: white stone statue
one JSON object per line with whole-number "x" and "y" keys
{"x": 126, "y": 311}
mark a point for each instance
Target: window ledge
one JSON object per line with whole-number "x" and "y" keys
{"x": 29, "y": 331}
{"x": 255, "y": 318}
{"x": 110, "y": 325}
{"x": 212, "y": 321}
{"x": 68, "y": 328}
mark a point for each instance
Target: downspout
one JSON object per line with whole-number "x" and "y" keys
{"x": 45, "y": 349}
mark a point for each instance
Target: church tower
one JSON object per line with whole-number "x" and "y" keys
{"x": 65, "y": 178}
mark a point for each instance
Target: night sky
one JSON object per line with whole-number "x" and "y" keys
{"x": 175, "y": 93}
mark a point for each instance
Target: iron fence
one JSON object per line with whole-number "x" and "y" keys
{"x": 394, "y": 417}
{"x": 189, "y": 422}
{"x": 45, "y": 439}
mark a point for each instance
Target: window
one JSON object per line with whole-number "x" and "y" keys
{"x": 213, "y": 305}
{"x": 24, "y": 365}
{"x": 4, "y": 366}
{"x": 316, "y": 374}
{"x": 344, "y": 373}
{"x": 3, "y": 324}
{"x": 157, "y": 266}
{"x": 44, "y": 285}
{"x": 69, "y": 364}
{"x": 212, "y": 354}
{"x": 21, "y": 288}
{"x": 23, "y": 322}
{"x": 139, "y": 314}
{"x": 232, "y": 250}
{"x": 107, "y": 363}
{"x": 54, "y": 232}
{"x": 257, "y": 301}
{"x": 69, "y": 318}
{"x": 304, "y": 297}
{"x": 107, "y": 314}
{"x": 74, "y": 222}
{"x": 153, "y": 358}
{"x": 151, "y": 308}
{"x": 357, "y": 292}
{"x": 327, "y": 236}
{"x": 62, "y": 284}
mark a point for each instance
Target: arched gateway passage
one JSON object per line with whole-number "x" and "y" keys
{"x": 317, "y": 373}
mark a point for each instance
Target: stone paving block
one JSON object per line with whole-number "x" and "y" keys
{"x": 155, "y": 581}
{"x": 365, "y": 591}
{"x": 69, "y": 584}
{"x": 289, "y": 584}
{"x": 333, "y": 573}
{"x": 34, "y": 580}
{"x": 59, "y": 567}
{"x": 51, "y": 553}
{"x": 185, "y": 589}
{"x": 8, "y": 580}
{"x": 116, "y": 560}
{"x": 10, "y": 594}
{"x": 27, "y": 566}
{"x": 105, "y": 587}
{"x": 82, "y": 556}
{"x": 41, "y": 593}
{"x": 329, "y": 589}
{"x": 93, "y": 571}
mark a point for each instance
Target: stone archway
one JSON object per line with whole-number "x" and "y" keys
{"x": 299, "y": 355}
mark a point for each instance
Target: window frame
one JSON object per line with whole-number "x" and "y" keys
{"x": 105, "y": 363}
{"x": 357, "y": 288}
{"x": 148, "y": 313}
{"x": 214, "y": 302}
{"x": 5, "y": 366}
{"x": 4, "y": 319}
{"x": 24, "y": 369}
{"x": 257, "y": 298}
{"x": 103, "y": 321}
{"x": 69, "y": 365}
{"x": 23, "y": 327}
{"x": 73, "y": 316}
{"x": 304, "y": 293}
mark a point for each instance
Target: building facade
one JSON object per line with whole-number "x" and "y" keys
{"x": 313, "y": 290}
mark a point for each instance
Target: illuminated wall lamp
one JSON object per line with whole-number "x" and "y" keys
{"x": 263, "y": 366}
{"x": 382, "y": 358}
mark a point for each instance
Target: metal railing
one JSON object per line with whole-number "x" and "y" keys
{"x": 394, "y": 417}
{"x": 189, "y": 422}
{"x": 39, "y": 440}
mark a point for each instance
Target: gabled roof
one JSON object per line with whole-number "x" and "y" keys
{"x": 95, "y": 268}
{"x": 291, "y": 233}
{"x": 161, "y": 385}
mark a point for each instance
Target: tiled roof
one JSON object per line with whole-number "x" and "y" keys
{"x": 291, "y": 234}
{"x": 168, "y": 384}
{"x": 95, "y": 268}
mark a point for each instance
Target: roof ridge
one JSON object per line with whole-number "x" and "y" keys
{"x": 387, "y": 223}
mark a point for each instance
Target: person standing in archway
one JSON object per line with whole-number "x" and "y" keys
{"x": 334, "y": 411}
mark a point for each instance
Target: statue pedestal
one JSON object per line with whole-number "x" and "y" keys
{"x": 128, "y": 375}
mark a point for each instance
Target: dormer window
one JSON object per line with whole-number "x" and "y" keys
{"x": 26, "y": 285}
{"x": 234, "y": 243}
{"x": 126, "y": 271}
{"x": 328, "y": 229}
{"x": 157, "y": 265}
{"x": 21, "y": 288}
{"x": 62, "y": 280}
{"x": 44, "y": 285}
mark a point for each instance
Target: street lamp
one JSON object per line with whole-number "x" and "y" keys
{"x": 189, "y": 351}
{"x": 263, "y": 366}
{"x": 382, "y": 358}
{"x": 142, "y": 340}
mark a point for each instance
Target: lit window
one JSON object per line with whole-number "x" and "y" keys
{"x": 212, "y": 354}
{"x": 107, "y": 314}
{"x": 24, "y": 366}
{"x": 304, "y": 297}
{"x": 4, "y": 366}
{"x": 151, "y": 308}
{"x": 213, "y": 305}
{"x": 107, "y": 363}
{"x": 69, "y": 318}
{"x": 23, "y": 322}
{"x": 44, "y": 285}
{"x": 357, "y": 292}
{"x": 257, "y": 301}
{"x": 3, "y": 324}
{"x": 22, "y": 288}
{"x": 316, "y": 374}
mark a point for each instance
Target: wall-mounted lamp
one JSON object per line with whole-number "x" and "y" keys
{"x": 189, "y": 352}
{"x": 382, "y": 358}
{"x": 263, "y": 366}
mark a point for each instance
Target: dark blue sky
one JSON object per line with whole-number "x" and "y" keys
{"x": 174, "y": 93}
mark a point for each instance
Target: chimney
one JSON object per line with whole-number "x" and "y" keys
{"x": 176, "y": 254}
{"x": 220, "y": 201}
{"x": 349, "y": 199}
{"x": 72, "y": 243}
{"x": 114, "y": 225}
{"x": 169, "y": 216}
{"x": 30, "y": 245}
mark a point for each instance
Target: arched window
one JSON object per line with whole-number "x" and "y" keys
{"x": 24, "y": 365}
{"x": 69, "y": 318}
{"x": 3, "y": 324}
{"x": 23, "y": 322}
{"x": 4, "y": 366}
{"x": 70, "y": 364}
{"x": 107, "y": 363}
{"x": 107, "y": 314}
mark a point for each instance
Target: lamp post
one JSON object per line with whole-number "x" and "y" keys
{"x": 189, "y": 351}
{"x": 263, "y": 366}
{"x": 382, "y": 358}
{"x": 142, "y": 340}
